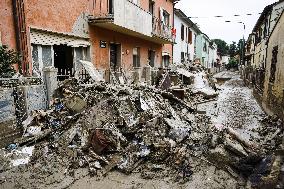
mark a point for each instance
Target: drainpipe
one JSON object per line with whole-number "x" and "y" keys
{"x": 21, "y": 34}
{"x": 16, "y": 24}
{"x": 171, "y": 31}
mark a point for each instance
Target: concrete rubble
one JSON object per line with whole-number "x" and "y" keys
{"x": 141, "y": 128}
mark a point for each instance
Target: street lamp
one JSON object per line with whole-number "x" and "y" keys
{"x": 242, "y": 58}
{"x": 243, "y": 52}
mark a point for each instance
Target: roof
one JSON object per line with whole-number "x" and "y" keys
{"x": 186, "y": 19}
{"x": 206, "y": 36}
{"x": 282, "y": 14}
{"x": 267, "y": 10}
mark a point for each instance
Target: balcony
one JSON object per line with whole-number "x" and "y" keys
{"x": 126, "y": 17}
{"x": 162, "y": 31}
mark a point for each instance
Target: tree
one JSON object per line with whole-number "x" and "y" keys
{"x": 7, "y": 59}
{"x": 241, "y": 49}
{"x": 233, "y": 63}
{"x": 233, "y": 49}
{"x": 223, "y": 47}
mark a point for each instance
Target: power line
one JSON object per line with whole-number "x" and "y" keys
{"x": 235, "y": 15}
{"x": 223, "y": 16}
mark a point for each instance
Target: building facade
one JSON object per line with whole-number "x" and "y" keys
{"x": 273, "y": 96}
{"x": 114, "y": 35}
{"x": 256, "y": 47}
{"x": 213, "y": 55}
{"x": 264, "y": 59}
{"x": 185, "y": 41}
{"x": 202, "y": 50}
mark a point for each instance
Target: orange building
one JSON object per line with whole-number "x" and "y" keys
{"x": 112, "y": 34}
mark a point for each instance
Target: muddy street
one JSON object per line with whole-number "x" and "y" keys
{"x": 235, "y": 106}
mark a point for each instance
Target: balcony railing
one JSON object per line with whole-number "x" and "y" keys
{"x": 160, "y": 29}
{"x": 125, "y": 15}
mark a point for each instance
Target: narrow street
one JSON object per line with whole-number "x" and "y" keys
{"x": 235, "y": 107}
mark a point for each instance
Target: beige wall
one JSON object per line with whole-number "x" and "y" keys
{"x": 273, "y": 98}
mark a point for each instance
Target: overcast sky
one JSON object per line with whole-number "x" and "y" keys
{"x": 217, "y": 27}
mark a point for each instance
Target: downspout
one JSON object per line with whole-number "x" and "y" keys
{"x": 16, "y": 25}
{"x": 171, "y": 31}
{"x": 21, "y": 34}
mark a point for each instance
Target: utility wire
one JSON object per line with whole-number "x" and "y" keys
{"x": 235, "y": 15}
{"x": 222, "y": 16}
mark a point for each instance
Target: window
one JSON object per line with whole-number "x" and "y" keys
{"x": 110, "y": 6}
{"x": 182, "y": 57}
{"x": 35, "y": 61}
{"x": 136, "y": 57}
{"x": 151, "y": 58}
{"x": 166, "y": 60}
{"x": 166, "y": 16}
{"x": 189, "y": 36}
{"x": 182, "y": 32}
{"x": 204, "y": 47}
{"x": 151, "y": 6}
{"x": 186, "y": 34}
{"x": 273, "y": 64}
{"x": 266, "y": 28}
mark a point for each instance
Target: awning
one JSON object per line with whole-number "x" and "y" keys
{"x": 41, "y": 37}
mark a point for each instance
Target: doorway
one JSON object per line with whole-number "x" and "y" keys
{"x": 151, "y": 58}
{"x": 115, "y": 56}
{"x": 63, "y": 61}
{"x": 166, "y": 60}
{"x": 110, "y": 7}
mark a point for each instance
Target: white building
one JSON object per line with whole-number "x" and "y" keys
{"x": 212, "y": 62}
{"x": 185, "y": 43}
{"x": 225, "y": 60}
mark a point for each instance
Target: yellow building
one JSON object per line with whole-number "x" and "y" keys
{"x": 273, "y": 96}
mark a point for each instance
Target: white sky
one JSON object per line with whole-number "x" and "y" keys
{"x": 217, "y": 27}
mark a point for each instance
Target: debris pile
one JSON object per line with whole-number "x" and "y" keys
{"x": 141, "y": 128}
{"x": 121, "y": 127}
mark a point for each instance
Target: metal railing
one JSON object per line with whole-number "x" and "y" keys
{"x": 162, "y": 30}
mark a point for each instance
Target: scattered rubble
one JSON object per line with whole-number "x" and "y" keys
{"x": 142, "y": 128}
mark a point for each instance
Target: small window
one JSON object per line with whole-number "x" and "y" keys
{"x": 35, "y": 61}
{"x": 110, "y": 7}
{"x": 151, "y": 6}
{"x": 273, "y": 64}
{"x": 182, "y": 32}
{"x": 186, "y": 34}
{"x": 189, "y": 36}
{"x": 182, "y": 57}
{"x": 166, "y": 60}
{"x": 136, "y": 57}
{"x": 166, "y": 16}
{"x": 204, "y": 47}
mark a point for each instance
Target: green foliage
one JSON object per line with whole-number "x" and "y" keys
{"x": 223, "y": 47}
{"x": 7, "y": 59}
{"x": 241, "y": 48}
{"x": 233, "y": 49}
{"x": 233, "y": 63}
